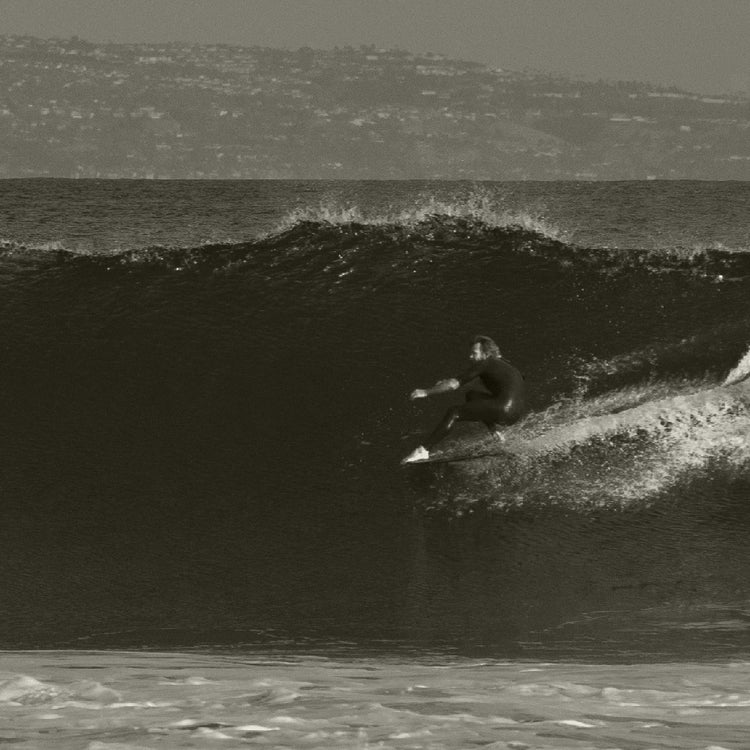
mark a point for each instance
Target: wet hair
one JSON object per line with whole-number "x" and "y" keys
{"x": 489, "y": 347}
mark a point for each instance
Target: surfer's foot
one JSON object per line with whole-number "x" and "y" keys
{"x": 498, "y": 435}
{"x": 420, "y": 453}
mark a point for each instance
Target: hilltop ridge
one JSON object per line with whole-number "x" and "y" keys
{"x": 71, "y": 108}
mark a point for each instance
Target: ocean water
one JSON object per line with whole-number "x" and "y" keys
{"x": 204, "y": 399}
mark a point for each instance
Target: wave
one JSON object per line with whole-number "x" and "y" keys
{"x": 408, "y": 239}
{"x": 341, "y": 237}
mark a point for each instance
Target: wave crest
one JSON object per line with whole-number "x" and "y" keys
{"x": 441, "y": 231}
{"x": 476, "y": 228}
{"x": 479, "y": 209}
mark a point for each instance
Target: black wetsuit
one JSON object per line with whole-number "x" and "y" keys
{"x": 503, "y": 404}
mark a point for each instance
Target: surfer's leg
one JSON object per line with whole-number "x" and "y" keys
{"x": 446, "y": 425}
{"x": 422, "y": 452}
{"x": 479, "y": 407}
{"x": 491, "y": 420}
{"x": 476, "y": 410}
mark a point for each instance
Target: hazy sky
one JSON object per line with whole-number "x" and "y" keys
{"x": 701, "y": 45}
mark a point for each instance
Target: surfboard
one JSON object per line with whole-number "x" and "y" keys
{"x": 450, "y": 458}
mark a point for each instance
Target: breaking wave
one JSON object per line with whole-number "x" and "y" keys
{"x": 340, "y": 240}
{"x": 479, "y": 208}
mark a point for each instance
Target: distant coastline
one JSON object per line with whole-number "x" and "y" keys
{"x": 71, "y": 108}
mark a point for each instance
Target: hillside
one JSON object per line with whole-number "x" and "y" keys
{"x": 70, "y": 108}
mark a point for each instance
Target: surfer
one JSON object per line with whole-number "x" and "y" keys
{"x": 503, "y": 404}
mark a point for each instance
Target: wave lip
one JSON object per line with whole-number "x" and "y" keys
{"x": 479, "y": 208}
{"x": 442, "y": 235}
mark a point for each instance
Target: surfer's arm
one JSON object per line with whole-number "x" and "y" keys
{"x": 442, "y": 386}
{"x": 473, "y": 371}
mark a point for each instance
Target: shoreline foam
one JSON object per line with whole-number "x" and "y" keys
{"x": 129, "y": 700}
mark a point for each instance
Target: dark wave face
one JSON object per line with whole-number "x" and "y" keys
{"x": 201, "y": 440}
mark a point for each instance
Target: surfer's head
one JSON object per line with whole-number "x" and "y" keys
{"x": 483, "y": 347}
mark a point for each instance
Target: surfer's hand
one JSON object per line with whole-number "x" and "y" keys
{"x": 418, "y": 393}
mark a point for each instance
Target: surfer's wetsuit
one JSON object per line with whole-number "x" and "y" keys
{"x": 503, "y": 405}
